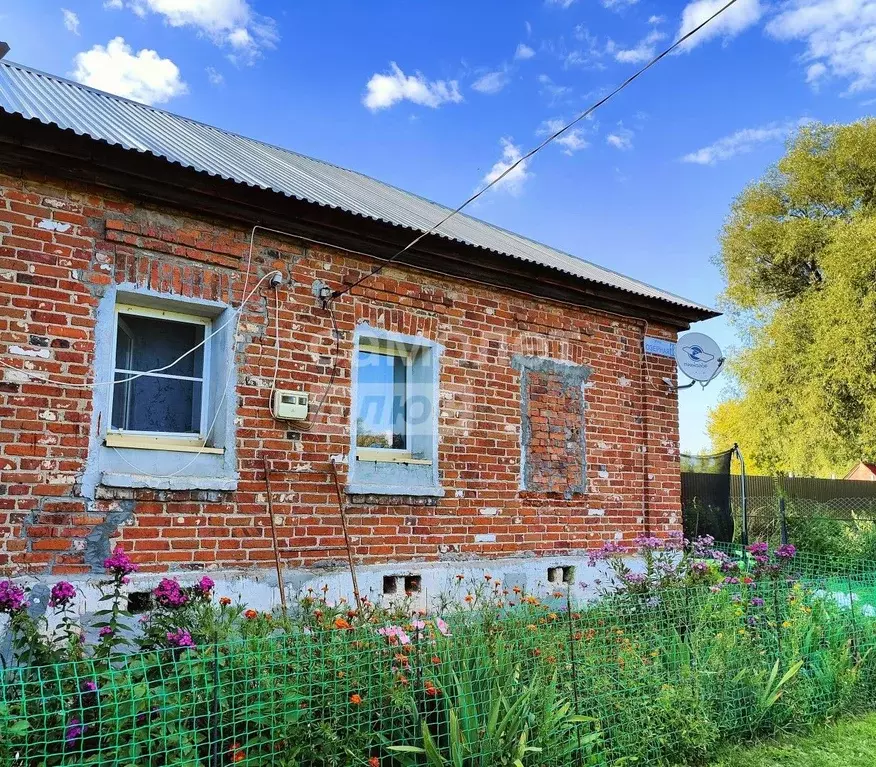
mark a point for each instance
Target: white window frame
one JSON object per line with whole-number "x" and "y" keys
{"x": 181, "y": 441}
{"x": 389, "y": 454}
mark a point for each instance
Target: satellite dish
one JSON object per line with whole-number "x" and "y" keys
{"x": 698, "y": 357}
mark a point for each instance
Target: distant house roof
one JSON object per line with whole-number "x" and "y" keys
{"x": 862, "y": 468}
{"x": 104, "y": 117}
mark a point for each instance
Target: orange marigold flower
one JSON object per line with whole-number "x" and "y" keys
{"x": 436, "y": 660}
{"x": 251, "y": 614}
{"x": 517, "y": 589}
{"x": 374, "y": 762}
{"x": 469, "y": 598}
{"x": 403, "y": 680}
{"x": 239, "y": 756}
{"x": 460, "y": 577}
{"x": 356, "y": 699}
{"x": 488, "y": 578}
{"x": 431, "y": 689}
{"x": 225, "y": 601}
{"x": 342, "y": 623}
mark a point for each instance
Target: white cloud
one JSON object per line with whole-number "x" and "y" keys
{"x": 113, "y": 5}
{"x": 491, "y": 82}
{"x": 621, "y": 138}
{"x": 144, "y": 76}
{"x": 643, "y": 51}
{"x": 551, "y": 90}
{"x": 572, "y": 140}
{"x": 737, "y": 18}
{"x": 225, "y": 22}
{"x": 618, "y": 5}
{"x": 214, "y": 76}
{"x": 840, "y": 38}
{"x": 528, "y": 28}
{"x": 514, "y": 181}
{"x": 523, "y": 52}
{"x": 740, "y": 142}
{"x": 656, "y": 19}
{"x": 588, "y": 54}
{"x": 71, "y": 21}
{"x": 384, "y": 90}
{"x": 559, "y": 3}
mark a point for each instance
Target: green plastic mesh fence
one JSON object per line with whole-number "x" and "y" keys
{"x": 652, "y": 678}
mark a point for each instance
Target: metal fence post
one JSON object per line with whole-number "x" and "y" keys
{"x": 783, "y": 521}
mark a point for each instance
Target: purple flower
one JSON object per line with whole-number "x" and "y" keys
{"x": 606, "y": 551}
{"x": 648, "y": 542}
{"x": 180, "y": 638}
{"x": 89, "y": 686}
{"x": 106, "y": 631}
{"x": 119, "y": 564}
{"x": 11, "y": 597}
{"x": 757, "y": 602}
{"x": 204, "y": 587}
{"x": 74, "y": 731}
{"x": 761, "y": 548}
{"x": 61, "y": 594}
{"x": 634, "y": 578}
{"x": 169, "y": 594}
{"x": 786, "y": 552}
{"x": 699, "y": 568}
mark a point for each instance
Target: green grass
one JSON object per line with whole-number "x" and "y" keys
{"x": 848, "y": 743}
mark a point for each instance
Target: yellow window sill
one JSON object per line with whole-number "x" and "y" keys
{"x": 379, "y": 456}
{"x": 137, "y": 442}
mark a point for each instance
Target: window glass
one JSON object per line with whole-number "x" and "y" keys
{"x": 169, "y": 401}
{"x": 381, "y": 401}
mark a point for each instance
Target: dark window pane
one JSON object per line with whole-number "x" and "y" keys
{"x": 381, "y": 401}
{"x": 150, "y": 403}
{"x": 147, "y": 343}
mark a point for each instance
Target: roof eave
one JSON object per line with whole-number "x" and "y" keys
{"x": 109, "y": 164}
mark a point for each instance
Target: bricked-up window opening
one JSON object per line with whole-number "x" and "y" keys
{"x": 173, "y": 402}
{"x": 139, "y": 602}
{"x": 561, "y": 575}
{"x": 413, "y": 584}
{"x": 553, "y": 413}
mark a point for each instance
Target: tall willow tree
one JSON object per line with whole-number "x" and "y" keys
{"x": 799, "y": 259}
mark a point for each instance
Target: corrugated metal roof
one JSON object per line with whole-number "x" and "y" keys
{"x": 55, "y": 101}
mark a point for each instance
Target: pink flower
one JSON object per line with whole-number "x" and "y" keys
{"x": 204, "y": 587}
{"x": 61, "y": 594}
{"x": 106, "y": 631}
{"x": 11, "y": 597}
{"x": 395, "y": 635}
{"x": 442, "y": 627}
{"x": 180, "y": 638}
{"x": 169, "y": 594}
{"x": 119, "y": 564}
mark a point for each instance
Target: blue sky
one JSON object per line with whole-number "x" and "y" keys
{"x": 433, "y": 97}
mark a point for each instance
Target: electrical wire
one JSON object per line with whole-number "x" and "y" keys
{"x": 338, "y": 293}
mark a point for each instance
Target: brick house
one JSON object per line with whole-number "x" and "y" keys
{"x": 486, "y": 400}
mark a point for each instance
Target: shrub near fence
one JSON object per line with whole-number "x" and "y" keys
{"x": 652, "y": 673}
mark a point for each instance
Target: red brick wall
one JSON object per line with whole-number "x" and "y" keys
{"x": 51, "y": 281}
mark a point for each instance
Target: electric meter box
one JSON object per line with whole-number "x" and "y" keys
{"x": 290, "y": 405}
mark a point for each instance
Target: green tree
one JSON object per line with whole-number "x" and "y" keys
{"x": 799, "y": 258}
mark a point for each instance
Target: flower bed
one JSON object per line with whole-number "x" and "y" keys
{"x": 690, "y": 649}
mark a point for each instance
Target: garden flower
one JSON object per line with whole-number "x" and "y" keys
{"x": 89, "y": 686}
{"x": 180, "y": 638}
{"x": 74, "y": 731}
{"x": 356, "y": 699}
{"x": 11, "y": 597}
{"x": 788, "y": 551}
{"x": 251, "y": 614}
{"x": 61, "y": 594}
{"x": 169, "y": 594}
{"x": 436, "y": 660}
{"x": 119, "y": 564}
{"x": 225, "y": 601}
{"x": 395, "y": 635}
{"x": 374, "y": 762}
{"x": 442, "y": 627}
{"x": 430, "y": 688}
{"x": 237, "y": 754}
{"x": 757, "y": 602}
{"x": 204, "y": 587}
{"x": 648, "y": 542}
{"x": 342, "y": 623}
{"x": 106, "y": 631}
{"x": 418, "y": 625}
{"x": 759, "y": 549}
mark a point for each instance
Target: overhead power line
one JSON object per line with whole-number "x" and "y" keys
{"x": 532, "y": 152}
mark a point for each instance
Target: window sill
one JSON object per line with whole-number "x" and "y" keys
{"x": 116, "y": 479}
{"x": 138, "y": 442}
{"x": 365, "y": 488}
{"x": 381, "y": 456}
